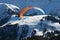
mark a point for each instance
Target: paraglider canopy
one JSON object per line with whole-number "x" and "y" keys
{"x": 28, "y": 8}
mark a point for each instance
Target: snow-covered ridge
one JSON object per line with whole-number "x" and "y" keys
{"x": 10, "y": 5}
{"x": 6, "y": 11}
{"x": 6, "y": 7}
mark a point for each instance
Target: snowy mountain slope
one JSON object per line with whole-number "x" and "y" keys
{"x": 29, "y": 25}
{"x": 9, "y": 6}
{"x": 6, "y": 11}
{"x": 32, "y": 20}
{"x": 37, "y": 23}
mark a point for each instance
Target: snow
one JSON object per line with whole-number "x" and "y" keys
{"x": 31, "y": 21}
{"x": 38, "y": 33}
{"x": 57, "y": 25}
{"x": 13, "y": 7}
{"x": 4, "y": 7}
{"x": 5, "y": 13}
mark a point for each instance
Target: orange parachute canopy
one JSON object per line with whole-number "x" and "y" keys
{"x": 28, "y": 8}
{"x": 23, "y": 11}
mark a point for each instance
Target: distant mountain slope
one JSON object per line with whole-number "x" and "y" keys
{"x": 6, "y": 11}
